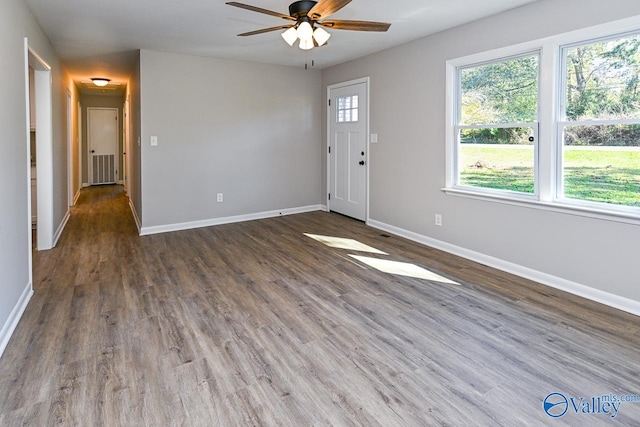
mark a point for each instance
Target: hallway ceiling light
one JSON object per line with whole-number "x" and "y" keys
{"x": 100, "y": 81}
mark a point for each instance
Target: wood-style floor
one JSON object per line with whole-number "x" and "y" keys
{"x": 257, "y": 324}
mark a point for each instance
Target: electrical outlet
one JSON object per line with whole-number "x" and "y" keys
{"x": 220, "y": 198}
{"x": 439, "y": 220}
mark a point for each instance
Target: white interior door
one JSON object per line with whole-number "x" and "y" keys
{"x": 348, "y": 127}
{"x": 102, "y": 125}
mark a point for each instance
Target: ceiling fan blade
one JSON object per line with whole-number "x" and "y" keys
{"x": 324, "y": 8}
{"x": 265, "y": 30}
{"x": 341, "y": 24}
{"x": 261, "y": 10}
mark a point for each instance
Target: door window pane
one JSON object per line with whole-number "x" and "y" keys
{"x": 347, "y": 111}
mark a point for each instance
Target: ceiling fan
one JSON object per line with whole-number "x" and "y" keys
{"x": 308, "y": 17}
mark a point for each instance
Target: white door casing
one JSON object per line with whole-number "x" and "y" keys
{"x": 79, "y": 141}
{"x": 102, "y": 129}
{"x": 70, "y": 164}
{"x": 126, "y": 167}
{"x": 44, "y": 148}
{"x": 348, "y": 153}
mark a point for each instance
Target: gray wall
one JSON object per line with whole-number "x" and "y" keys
{"x": 250, "y": 131}
{"x": 408, "y": 164}
{"x": 16, "y": 22}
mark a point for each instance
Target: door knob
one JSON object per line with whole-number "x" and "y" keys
{"x": 361, "y": 162}
{"x": 93, "y": 151}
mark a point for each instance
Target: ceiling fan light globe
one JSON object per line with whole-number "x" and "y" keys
{"x": 305, "y": 32}
{"x": 321, "y": 36}
{"x": 290, "y": 36}
{"x": 306, "y": 44}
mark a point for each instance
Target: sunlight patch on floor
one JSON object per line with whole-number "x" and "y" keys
{"x": 402, "y": 269}
{"x": 342, "y": 243}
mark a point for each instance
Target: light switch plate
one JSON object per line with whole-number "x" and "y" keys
{"x": 154, "y": 141}
{"x": 374, "y": 138}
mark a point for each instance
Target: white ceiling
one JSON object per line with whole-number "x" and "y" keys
{"x": 101, "y": 38}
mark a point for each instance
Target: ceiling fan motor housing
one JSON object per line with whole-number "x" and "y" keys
{"x": 301, "y": 8}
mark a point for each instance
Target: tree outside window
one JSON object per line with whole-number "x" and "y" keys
{"x": 600, "y": 130}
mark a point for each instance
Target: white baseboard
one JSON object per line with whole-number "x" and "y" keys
{"x": 85, "y": 185}
{"x": 612, "y": 300}
{"x": 136, "y": 218}
{"x": 12, "y": 322}
{"x": 60, "y": 229}
{"x": 226, "y": 220}
{"x": 76, "y": 197}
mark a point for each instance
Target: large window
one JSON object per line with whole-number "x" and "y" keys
{"x": 600, "y": 126}
{"x": 497, "y": 125}
{"x": 554, "y": 123}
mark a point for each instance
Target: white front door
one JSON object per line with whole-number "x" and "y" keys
{"x": 348, "y": 124}
{"x": 102, "y": 124}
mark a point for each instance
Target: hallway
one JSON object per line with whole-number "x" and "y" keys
{"x": 257, "y": 324}
{"x": 102, "y": 229}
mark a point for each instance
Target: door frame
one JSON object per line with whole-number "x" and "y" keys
{"x": 367, "y": 82}
{"x": 80, "y": 151}
{"x": 44, "y": 148}
{"x": 126, "y": 179}
{"x": 70, "y": 165}
{"x": 117, "y": 143}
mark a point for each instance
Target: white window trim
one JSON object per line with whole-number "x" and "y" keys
{"x": 548, "y": 117}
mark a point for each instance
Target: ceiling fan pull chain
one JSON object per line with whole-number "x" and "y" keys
{"x": 306, "y": 63}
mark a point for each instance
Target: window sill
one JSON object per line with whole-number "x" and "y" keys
{"x": 588, "y": 212}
